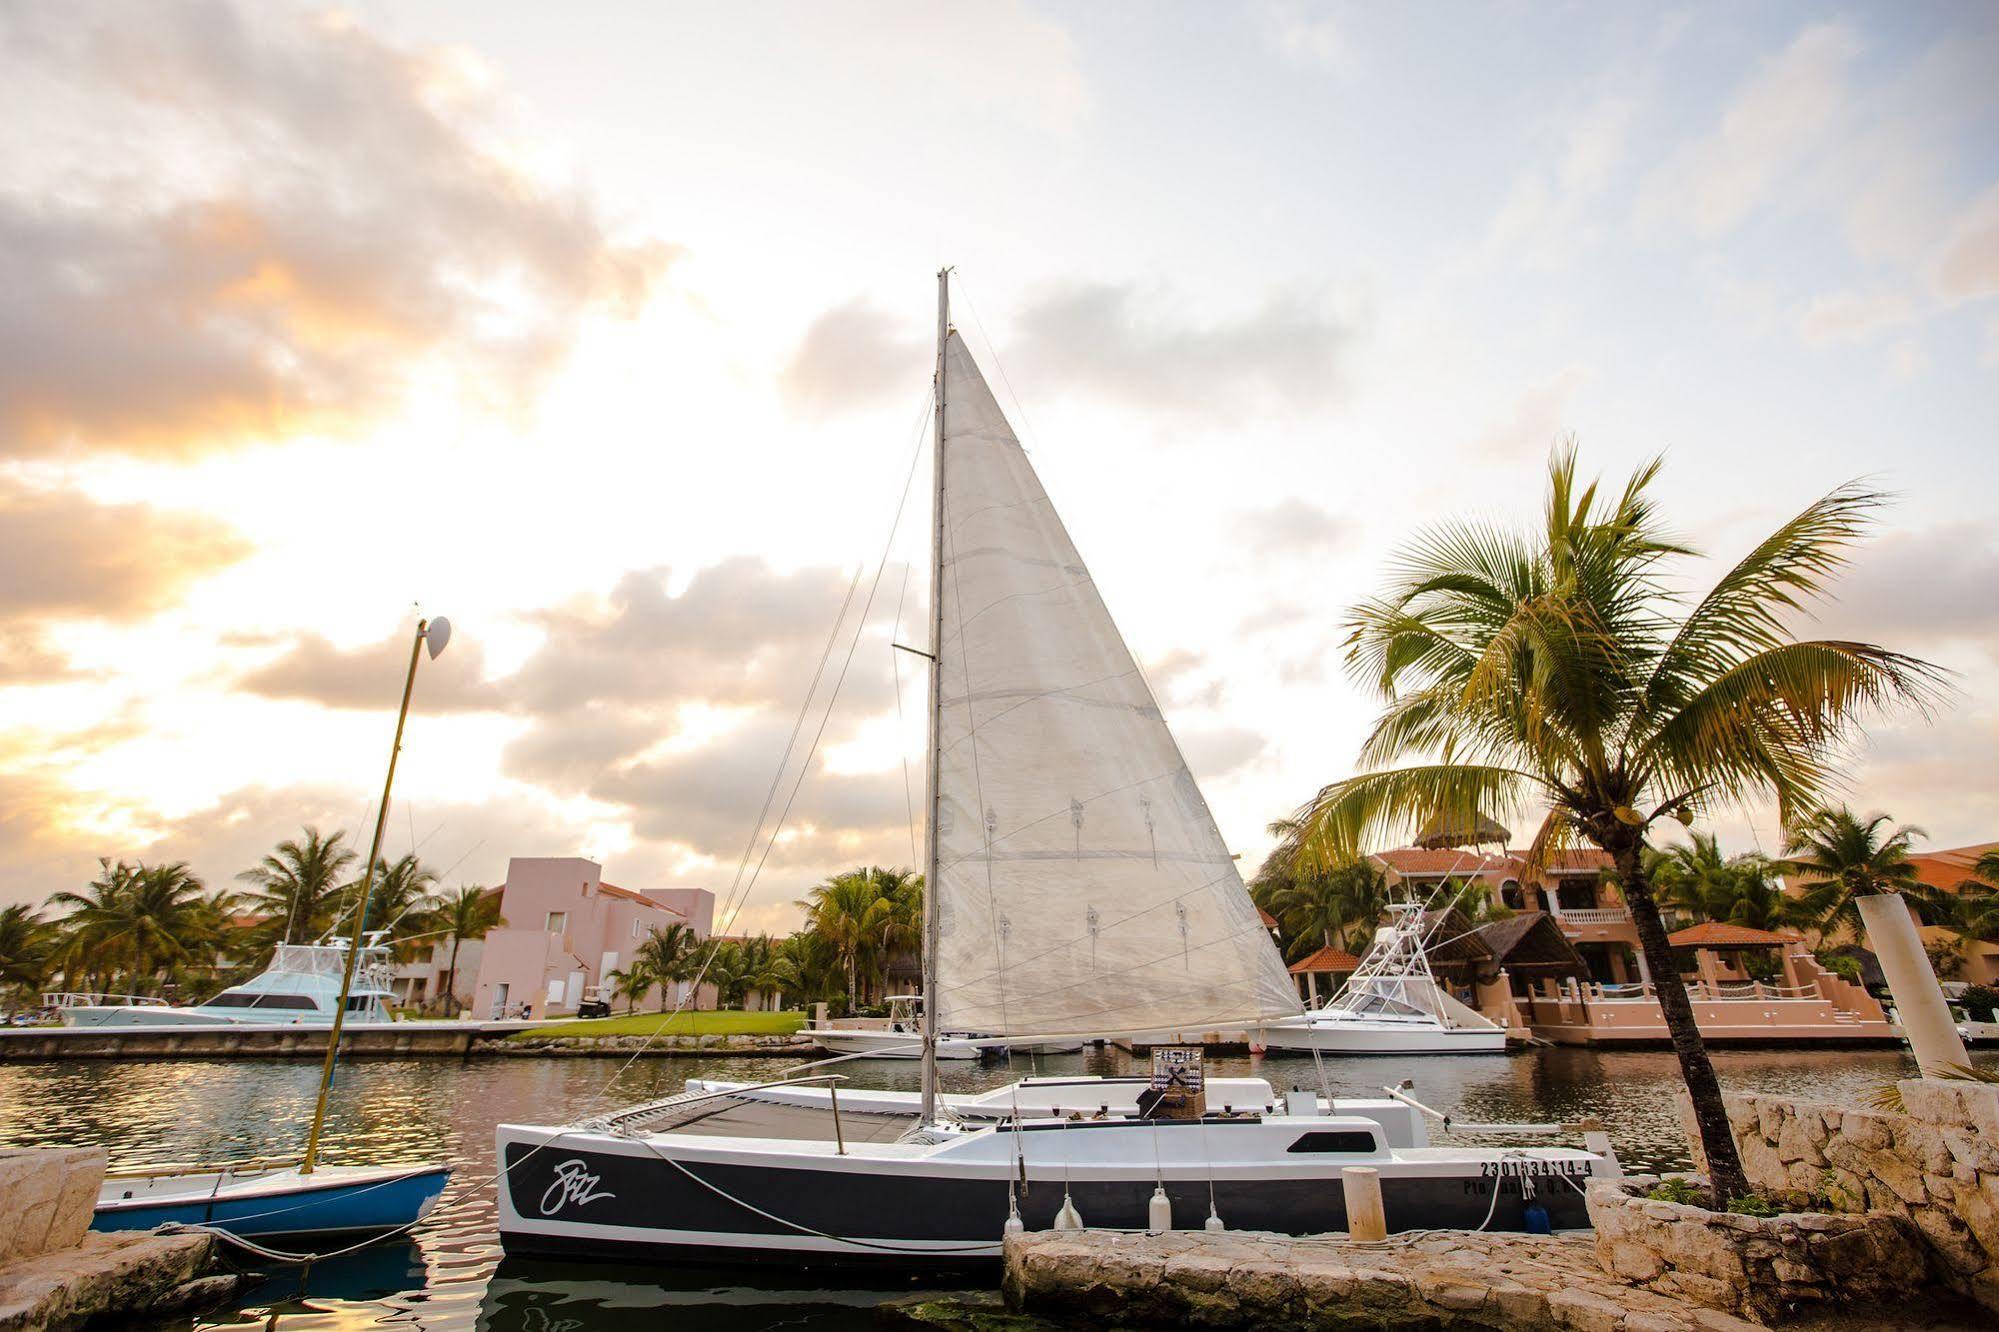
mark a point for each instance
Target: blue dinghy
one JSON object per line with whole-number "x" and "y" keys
{"x": 262, "y": 1201}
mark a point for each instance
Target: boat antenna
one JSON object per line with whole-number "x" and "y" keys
{"x": 436, "y": 633}
{"x": 931, "y": 916}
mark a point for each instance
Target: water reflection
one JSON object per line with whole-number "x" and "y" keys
{"x": 451, "y": 1278}
{"x": 549, "y": 1297}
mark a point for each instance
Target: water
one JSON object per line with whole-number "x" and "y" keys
{"x": 449, "y": 1278}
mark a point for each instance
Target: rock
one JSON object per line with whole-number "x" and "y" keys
{"x": 126, "y": 1273}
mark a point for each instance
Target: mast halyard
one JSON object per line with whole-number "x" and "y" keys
{"x": 931, "y": 915}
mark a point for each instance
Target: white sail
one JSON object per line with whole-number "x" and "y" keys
{"x": 1082, "y": 883}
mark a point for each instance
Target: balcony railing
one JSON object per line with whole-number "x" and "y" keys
{"x": 1595, "y": 916}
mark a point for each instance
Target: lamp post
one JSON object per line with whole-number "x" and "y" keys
{"x": 433, "y": 634}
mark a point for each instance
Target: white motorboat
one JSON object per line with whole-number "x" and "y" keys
{"x": 1392, "y": 1004}
{"x": 1075, "y": 885}
{"x": 902, "y": 1038}
{"x": 300, "y": 988}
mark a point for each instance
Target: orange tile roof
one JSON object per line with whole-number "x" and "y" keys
{"x": 1326, "y": 959}
{"x": 1269, "y": 921}
{"x": 1719, "y": 934}
{"x": 1948, "y": 868}
{"x": 631, "y": 896}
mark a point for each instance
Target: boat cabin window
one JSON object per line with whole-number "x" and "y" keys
{"x": 1334, "y": 1141}
{"x": 251, "y": 999}
{"x": 359, "y": 1002}
{"x": 1382, "y": 1004}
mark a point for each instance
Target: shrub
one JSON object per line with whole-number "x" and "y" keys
{"x": 1679, "y": 1189}
{"x": 1980, "y": 1001}
{"x": 1751, "y": 1204}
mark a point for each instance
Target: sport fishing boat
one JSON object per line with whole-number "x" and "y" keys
{"x": 1392, "y": 1004}
{"x": 300, "y": 988}
{"x": 1075, "y": 886}
{"x": 902, "y": 1038}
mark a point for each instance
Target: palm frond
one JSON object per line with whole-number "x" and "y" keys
{"x": 1746, "y": 611}
{"x": 1777, "y": 719}
{"x": 1348, "y": 815}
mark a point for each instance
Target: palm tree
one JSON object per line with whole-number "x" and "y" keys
{"x": 135, "y": 920}
{"x": 401, "y": 900}
{"x": 767, "y": 969}
{"x": 1552, "y": 668}
{"x": 864, "y": 913}
{"x": 297, "y": 883}
{"x": 668, "y": 954}
{"x": 1848, "y": 858}
{"x": 631, "y": 983}
{"x": 25, "y": 945}
{"x": 1341, "y": 905}
{"x": 728, "y": 972}
{"x": 814, "y": 964}
{"x": 468, "y": 912}
{"x": 1696, "y": 879}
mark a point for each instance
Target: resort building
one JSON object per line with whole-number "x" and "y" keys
{"x": 1567, "y": 967}
{"x": 1947, "y": 871}
{"x": 563, "y": 931}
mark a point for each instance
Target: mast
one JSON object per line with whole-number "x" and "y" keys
{"x": 931, "y": 915}
{"x": 437, "y": 641}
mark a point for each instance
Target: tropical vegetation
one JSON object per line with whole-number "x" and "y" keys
{"x": 1563, "y": 668}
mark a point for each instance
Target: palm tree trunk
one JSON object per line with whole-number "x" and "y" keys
{"x": 451, "y": 979}
{"x": 1724, "y": 1164}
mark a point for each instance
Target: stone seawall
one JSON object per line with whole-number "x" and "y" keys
{"x": 1936, "y": 1163}
{"x": 1764, "y": 1268}
{"x": 1248, "y": 1279}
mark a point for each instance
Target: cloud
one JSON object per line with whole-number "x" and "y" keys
{"x": 1291, "y": 526}
{"x": 1848, "y": 316}
{"x": 1779, "y": 115}
{"x": 321, "y": 218}
{"x": 1215, "y": 752}
{"x": 1913, "y": 591}
{"x": 1306, "y": 37}
{"x": 1118, "y": 342}
{"x": 1549, "y": 208}
{"x": 852, "y": 356}
{"x": 1943, "y": 778}
{"x": 68, "y": 557}
{"x": 1536, "y": 419}
{"x": 706, "y": 798}
{"x": 1968, "y": 268}
{"x": 740, "y": 634}
{"x": 313, "y": 669}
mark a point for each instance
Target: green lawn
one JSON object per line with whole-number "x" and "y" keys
{"x": 725, "y": 1023}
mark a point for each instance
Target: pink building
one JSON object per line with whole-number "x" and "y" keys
{"x": 566, "y": 930}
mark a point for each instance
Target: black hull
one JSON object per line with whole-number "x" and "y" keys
{"x": 879, "y": 1215}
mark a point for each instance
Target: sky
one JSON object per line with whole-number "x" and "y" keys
{"x": 606, "y": 331}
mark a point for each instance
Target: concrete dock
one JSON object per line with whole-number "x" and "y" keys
{"x": 387, "y": 1040}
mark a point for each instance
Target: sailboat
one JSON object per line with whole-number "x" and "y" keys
{"x": 1392, "y": 1004}
{"x": 1076, "y": 885}
{"x": 294, "y": 1198}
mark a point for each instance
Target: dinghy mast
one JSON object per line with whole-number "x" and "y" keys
{"x": 931, "y": 914}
